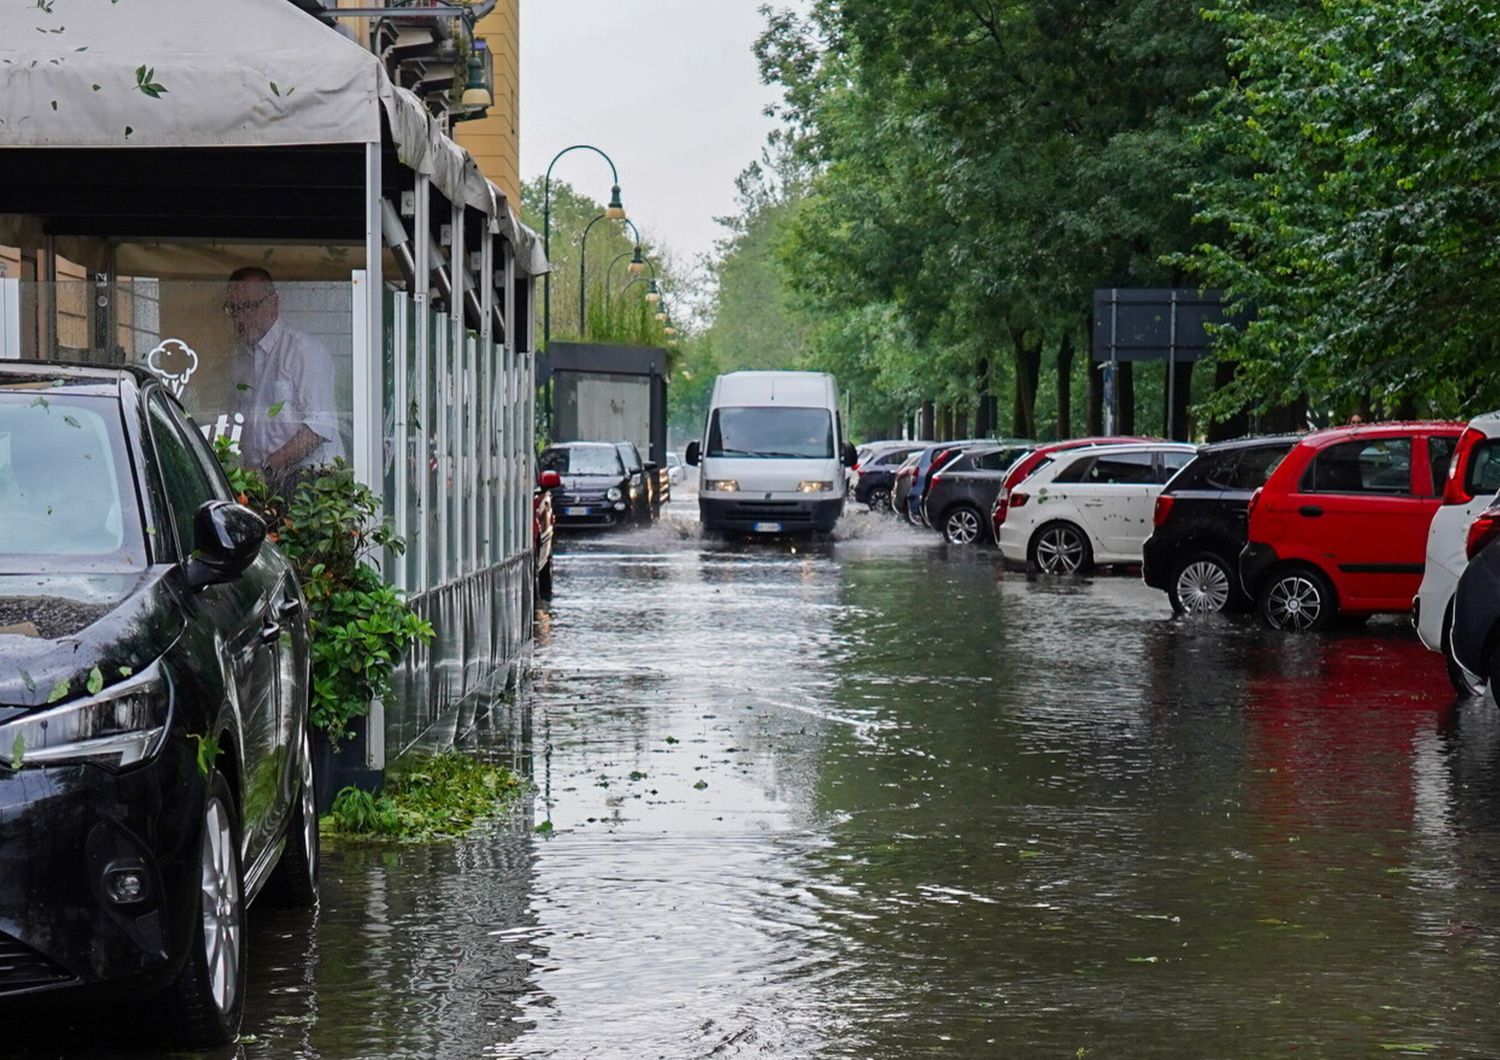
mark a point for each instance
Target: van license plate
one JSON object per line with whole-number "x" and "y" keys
{"x": 575, "y": 511}
{"x": 767, "y": 528}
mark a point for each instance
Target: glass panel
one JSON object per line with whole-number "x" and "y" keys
{"x": 414, "y": 459}
{"x": 438, "y": 337}
{"x": 1439, "y": 453}
{"x": 1484, "y": 468}
{"x": 451, "y": 356}
{"x": 1379, "y": 466}
{"x": 1122, "y": 468}
{"x": 393, "y": 312}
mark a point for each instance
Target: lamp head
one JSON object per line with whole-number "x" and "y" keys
{"x": 637, "y": 263}
{"x": 652, "y": 294}
{"x": 661, "y": 314}
{"x": 615, "y": 211}
{"x": 670, "y": 331}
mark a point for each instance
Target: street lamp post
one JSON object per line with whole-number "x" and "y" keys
{"x": 583, "y": 259}
{"x": 615, "y": 210}
{"x": 637, "y": 265}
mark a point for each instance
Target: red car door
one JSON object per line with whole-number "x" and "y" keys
{"x": 1360, "y": 512}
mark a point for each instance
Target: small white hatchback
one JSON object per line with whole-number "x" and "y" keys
{"x": 1088, "y": 506}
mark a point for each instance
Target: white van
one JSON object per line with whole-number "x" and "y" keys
{"x": 772, "y": 456}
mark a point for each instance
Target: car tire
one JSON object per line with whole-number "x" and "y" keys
{"x": 203, "y": 1005}
{"x": 1296, "y": 600}
{"x": 1464, "y": 683}
{"x": 911, "y": 517}
{"x": 1059, "y": 548}
{"x": 880, "y": 501}
{"x": 544, "y": 581}
{"x": 1202, "y": 583}
{"x": 962, "y": 525}
{"x": 294, "y": 881}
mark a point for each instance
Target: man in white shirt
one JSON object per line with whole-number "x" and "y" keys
{"x": 283, "y": 383}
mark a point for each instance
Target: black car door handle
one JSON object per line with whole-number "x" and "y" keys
{"x": 270, "y": 633}
{"x": 1312, "y": 511}
{"x": 288, "y": 607}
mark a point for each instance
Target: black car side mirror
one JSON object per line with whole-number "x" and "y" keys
{"x": 694, "y": 451}
{"x": 229, "y": 537}
{"x": 849, "y": 455}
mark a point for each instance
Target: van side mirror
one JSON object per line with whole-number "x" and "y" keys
{"x": 548, "y": 480}
{"x": 694, "y": 452}
{"x": 848, "y": 455}
{"x": 228, "y": 537}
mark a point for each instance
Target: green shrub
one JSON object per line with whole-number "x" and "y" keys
{"x": 425, "y": 797}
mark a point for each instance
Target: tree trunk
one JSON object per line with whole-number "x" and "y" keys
{"x": 1234, "y": 426}
{"x": 982, "y": 425}
{"x": 1125, "y": 391}
{"x": 928, "y": 425}
{"x": 1179, "y": 395}
{"x": 1028, "y": 367}
{"x": 960, "y": 423}
{"x": 1065, "y": 386}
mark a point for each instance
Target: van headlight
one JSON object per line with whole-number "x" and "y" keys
{"x": 814, "y": 487}
{"x": 119, "y": 727}
{"x": 722, "y": 485}
{"x": 614, "y": 493}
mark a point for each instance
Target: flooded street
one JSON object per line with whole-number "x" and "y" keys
{"x": 874, "y": 799}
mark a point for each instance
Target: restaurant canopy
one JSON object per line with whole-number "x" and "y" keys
{"x": 185, "y": 105}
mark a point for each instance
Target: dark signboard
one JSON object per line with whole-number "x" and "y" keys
{"x": 1154, "y": 324}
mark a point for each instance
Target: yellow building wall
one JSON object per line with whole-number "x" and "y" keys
{"x": 495, "y": 140}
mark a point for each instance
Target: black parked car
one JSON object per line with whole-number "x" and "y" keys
{"x": 962, "y": 490}
{"x": 1200, "y": 521}
{"x": 877, "y": 472}
{"x": 597, "y": 489}
{"x": 646, "y": 478}
{"x": 1475, "y": 636}
{"x": 155, "y": 775}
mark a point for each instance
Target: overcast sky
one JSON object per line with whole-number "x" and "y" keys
{"x": 668, "y": 88}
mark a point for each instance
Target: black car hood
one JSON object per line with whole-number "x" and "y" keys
{"x": 56, "y": 628}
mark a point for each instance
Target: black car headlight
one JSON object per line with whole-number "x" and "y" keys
{"x": 118, "y": 727}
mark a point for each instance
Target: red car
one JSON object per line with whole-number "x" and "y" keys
{"x": 1033, "y": 460}
{"x": 543, "y": 522}
{"x": 1340, "y": 527}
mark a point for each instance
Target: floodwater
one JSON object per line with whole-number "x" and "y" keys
{"x": 874, "y": 798}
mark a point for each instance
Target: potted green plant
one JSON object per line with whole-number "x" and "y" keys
{"x": 331, "y": 530}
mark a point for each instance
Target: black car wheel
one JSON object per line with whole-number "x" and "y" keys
{"x": 961, "y": 526}
{"x": 1296, "y": 600}
{"x": 203, "y": 1006}
{"x": 1060, "y": 548}
{"x": 1201, "y": 584}
{"x": 880, "y": 500}
{"x": 294, "y": 882}
{"x": 1464, "y": 683}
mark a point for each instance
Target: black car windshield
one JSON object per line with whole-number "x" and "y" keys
{"x": 583, "y": 460}
{"x": 67, "y": 500}
{"x": 771, "y": 432}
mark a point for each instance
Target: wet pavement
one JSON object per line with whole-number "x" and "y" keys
{"x": 873, "y": 798}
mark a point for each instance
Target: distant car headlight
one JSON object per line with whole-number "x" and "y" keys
{"x": 614, "y": 493}
{"x": 119, "y": 727}
{"x": 814, "y": 487}
{"x": 722, "y": 485}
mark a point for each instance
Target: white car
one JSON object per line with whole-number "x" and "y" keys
{"x": 1089, "y": 505}
{"x": 1473, "y": 477}
{"x": 674, "y": 469}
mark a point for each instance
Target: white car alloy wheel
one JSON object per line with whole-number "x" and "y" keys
{"x": 1060, "y": 550}
{"x": 223, "y": 919}
{"x": 1203, "y": 587}
{"x": 961, "y": 527}
{"x": 1294, "y": 602}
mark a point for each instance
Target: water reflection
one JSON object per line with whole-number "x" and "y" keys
{"x": 877, "y": 799}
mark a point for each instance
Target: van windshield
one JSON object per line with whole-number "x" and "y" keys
{"x": 771, "y": 432}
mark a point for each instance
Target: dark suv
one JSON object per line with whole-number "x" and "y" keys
{"x": 961, "y": 492}
{"x": 877, "y": 472}
{"x": 1193, "y": 552}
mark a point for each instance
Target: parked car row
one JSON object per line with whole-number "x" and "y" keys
{"x": 1306, "y": 530}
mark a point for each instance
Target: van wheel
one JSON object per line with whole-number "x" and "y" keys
{"x": 1060, "y": 548}
{"x": 204, "y": 1005}
{"x": 1201, "y": 584}
{"x": 1296, "y": 600}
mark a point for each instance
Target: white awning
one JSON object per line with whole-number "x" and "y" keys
{"x": 217, "y": 73}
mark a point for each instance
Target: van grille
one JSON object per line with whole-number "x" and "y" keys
{"x": 788, "y": 513}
